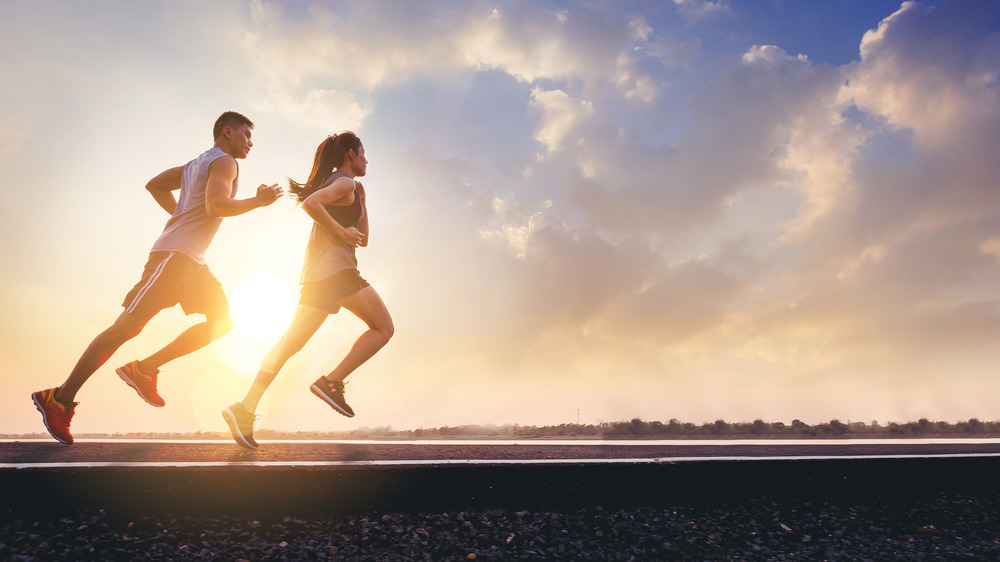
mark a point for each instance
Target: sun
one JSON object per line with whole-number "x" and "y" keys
{"x": 262, "y": 306}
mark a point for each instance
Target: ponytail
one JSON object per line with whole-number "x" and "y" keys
{"x": 329, "y": 155}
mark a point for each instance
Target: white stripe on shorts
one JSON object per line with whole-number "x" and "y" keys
{"x": 149, "y": 283}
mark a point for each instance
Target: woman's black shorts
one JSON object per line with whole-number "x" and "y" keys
{"x": 327, "y": 293}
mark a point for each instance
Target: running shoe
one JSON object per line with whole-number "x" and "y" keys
{"x": 240, "y": 421}
{"x": 332, "y": 392}
{"x": 143, "y": 383}
{"x": 55, "y": 414}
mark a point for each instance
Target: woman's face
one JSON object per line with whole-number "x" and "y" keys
{"x": 358, "y": 161}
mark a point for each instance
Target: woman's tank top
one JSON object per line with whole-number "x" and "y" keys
{"x": 326, "y": 254}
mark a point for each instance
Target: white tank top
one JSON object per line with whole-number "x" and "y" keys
{"x": 190, "y": 230}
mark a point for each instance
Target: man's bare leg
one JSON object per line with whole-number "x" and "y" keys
{"x": 194, "y": 338}
{"x": 98, "y": 352}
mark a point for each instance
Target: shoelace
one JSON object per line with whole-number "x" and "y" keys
{"x": 66, "y": 414}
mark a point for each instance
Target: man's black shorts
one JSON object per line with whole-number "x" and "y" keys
{"x": 170, "y": 278}
{"x": 326, "y": 293}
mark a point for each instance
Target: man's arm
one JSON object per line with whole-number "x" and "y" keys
{"x": 314, "y": 206}
{"x": 219, "y": 189}
{"x": 162, "y": 187}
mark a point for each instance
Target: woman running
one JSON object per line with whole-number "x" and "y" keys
{"x": 330, "y": 280}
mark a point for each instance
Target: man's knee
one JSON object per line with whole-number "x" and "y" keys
{"x": 125, "y": 328}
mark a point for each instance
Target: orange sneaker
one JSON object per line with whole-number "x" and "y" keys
{"x": 143, "y": 383}
{"x": 55, "y": 414}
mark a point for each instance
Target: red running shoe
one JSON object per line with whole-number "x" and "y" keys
{"x": 55, "y": 414}
{"x": 144, "y": 384}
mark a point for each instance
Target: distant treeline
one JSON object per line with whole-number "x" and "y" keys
{"x": 634, "y": 429}
{"x": 638, "y": 428}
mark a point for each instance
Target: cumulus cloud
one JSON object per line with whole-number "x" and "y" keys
{"x": 560, "y": 115}
{"x": 367, "y": 45}
{"x": 925, "y": 78}
{"x": 893, "y": 243}
{"x": 896, "y": 268}
{"x": 770, "y": 119}
{"x": 932, "y": 71}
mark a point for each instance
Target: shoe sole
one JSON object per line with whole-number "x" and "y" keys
{"x": 130, "y": 382}
{"x": 45, "y": 420}
{"x": 316, "y": 390}
{"x": 235, "y": 428}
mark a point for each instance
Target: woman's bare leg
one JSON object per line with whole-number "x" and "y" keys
{"x": 367, "y": 305}
{"x": 305, "y": 322}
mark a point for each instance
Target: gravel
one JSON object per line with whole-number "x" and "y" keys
{"x": 945, "y": 526}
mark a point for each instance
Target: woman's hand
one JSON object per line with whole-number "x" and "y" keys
{"x": 353, "y": 237}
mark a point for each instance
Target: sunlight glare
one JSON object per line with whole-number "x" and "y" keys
{"x": 262, "y": 306}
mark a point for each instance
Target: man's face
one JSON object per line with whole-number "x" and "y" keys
{"x": 239, "y": 140}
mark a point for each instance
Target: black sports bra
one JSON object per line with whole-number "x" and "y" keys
{"x": 346, "y": 215}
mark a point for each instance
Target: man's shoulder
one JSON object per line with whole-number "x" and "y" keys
{"x": 206, "y": 158}
{"x": 213, "y": 154}
{"x": 222, "y": 164}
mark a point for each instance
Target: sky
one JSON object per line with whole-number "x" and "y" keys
{"x": 580, "y": 211}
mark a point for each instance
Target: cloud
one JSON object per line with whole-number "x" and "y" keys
{"x": 694, "y": 11}
{"x": 317, "y": 107}
{"x": 351, "y": 48}
{"x": 531, "y": 43}
{"x": 898, "y": 268}
{"x": 893, "y": 243}
{"x": 927, "y": 79}
{"x": 523, "y": 288}
{"x": 935, "y": 72}
{"x": 560, "y": 115}
{"x": 769, "y": 119}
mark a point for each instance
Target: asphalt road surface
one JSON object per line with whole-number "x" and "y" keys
{"x": 360, "y": 476}
{"x": 46, "y": 453}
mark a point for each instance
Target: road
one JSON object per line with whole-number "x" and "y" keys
{"x": 218, "y": 477}
{"x": 46, "y": 453}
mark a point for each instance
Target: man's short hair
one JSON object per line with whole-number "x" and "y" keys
{"x": 229, "y": 119}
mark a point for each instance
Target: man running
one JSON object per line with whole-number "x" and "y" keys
{"x": 175, "y": 273}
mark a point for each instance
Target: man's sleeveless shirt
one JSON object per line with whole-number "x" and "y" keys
{"x": 190, "y": 230}
{"x": 326, "y": 254}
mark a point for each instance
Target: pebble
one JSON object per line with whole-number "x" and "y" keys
{"x": 944, "y": 527}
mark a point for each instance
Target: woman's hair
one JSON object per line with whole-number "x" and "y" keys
{"x": 329, "y": 155}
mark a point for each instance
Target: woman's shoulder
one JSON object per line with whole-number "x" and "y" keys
{"x": 342, "y": 178}
{"x": 336, "y": 175}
